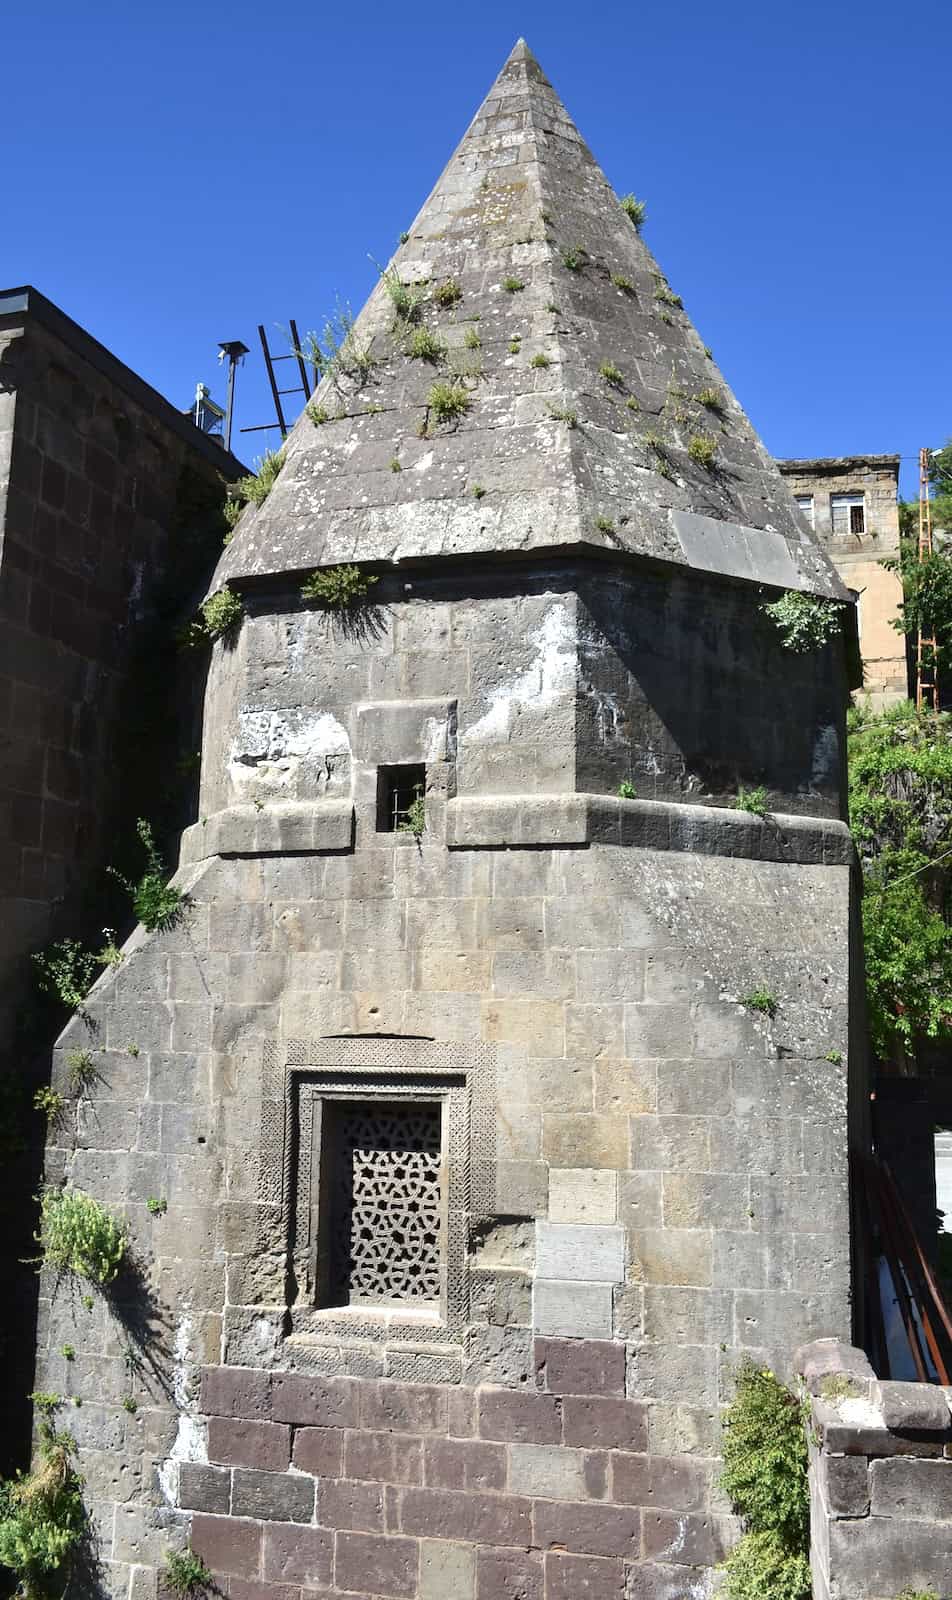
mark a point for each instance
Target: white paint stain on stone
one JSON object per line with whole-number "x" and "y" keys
{"x": 547, "y": 680}
{"x": 276, "y": 744}
{"x": 825, "y": 756}
{"x": 191, "y": 1438}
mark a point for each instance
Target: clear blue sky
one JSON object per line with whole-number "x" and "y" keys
{"x": 175, "y": 174}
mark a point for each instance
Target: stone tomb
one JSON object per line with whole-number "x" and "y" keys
{"x": 480, "y": 1174}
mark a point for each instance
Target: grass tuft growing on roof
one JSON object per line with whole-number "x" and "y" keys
{"x": 634, "y": 210}
{"x": 448, "y": 401}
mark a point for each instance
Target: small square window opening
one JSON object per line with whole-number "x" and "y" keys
{"x": 397, "y": 789}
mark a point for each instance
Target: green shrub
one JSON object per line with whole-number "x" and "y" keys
{"x": 81, "y": 1071}
{"x": 156, "y": 1207}
{"x": 317, "y": 414}
{"x": 666, "y": 296}
{"x": 414, "y": 818}
{"x": 634, "y": 210}
{"x": 604, "y": 524}
{"x": 258, "y": 485}
{"x": 448, "y": 293}
{"x": 574, "y": 258}
{"x": 765, "y": 1478}
{"x": 621, "y": 282}
{"x": 67, "y": 970}
{"x": 406, "y": 299}
{"x": 805, "y": 622}
{"x": 657, "y": 448}
{"x": 558, "y": 414}
{"x": 478, "y": 491}
{"x": 157, "y": 904}
{"x": 78, "y": 1236}
{"x": 752, "y": 800}
{"x": 702, "y": 449}
{"x": 52, "y": 1105}
{"x": 185, "y": 1573}
{"x": 712, "y": 400}
{"x": 512, "y": 285}
{"x": 900, "y": 794}
{"x": 336, "y": 352}
{"x": 338, "y": 588}
{"x": 761, "y": 1567}
{"x": 540, "y": 360}
{"x": 471, "y": 339}
{"x": 222, "y": 613}
{"x": 612, "y": 375}
{"x": 626, "y": 790}
{"x": 42, "y": 1518}
{"x": 762, "y": 1000}
{"x": 448, "y": 401}
{"x": 423, "y": 345}
{"x": 231, "y": 511}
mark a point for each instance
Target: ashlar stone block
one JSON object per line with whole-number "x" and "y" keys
{"x": 594, "y": 1254}
{"x": 572, "y": 1310}
{"x": 582, "y": 1195}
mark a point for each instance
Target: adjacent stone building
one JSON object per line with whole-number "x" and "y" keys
{"x": 491, "y": 1097}
{"x": 851, "y": 503}
{"x": 108, "y": 497}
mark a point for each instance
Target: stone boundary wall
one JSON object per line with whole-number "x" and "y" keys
{"x": 880, "y": 1479}
{"x": 364, "y": 1487}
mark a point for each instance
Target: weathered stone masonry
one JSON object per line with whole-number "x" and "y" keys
{"x": 638, "y": 1177}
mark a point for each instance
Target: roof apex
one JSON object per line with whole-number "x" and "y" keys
{"x": 524, "y": 379}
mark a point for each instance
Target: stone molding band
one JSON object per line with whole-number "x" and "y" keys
{"x": 486, "y": 822}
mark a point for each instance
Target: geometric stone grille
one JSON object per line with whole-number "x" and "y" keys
{"x": 302, "y": 1082}
{"x": 383, "y": 1201}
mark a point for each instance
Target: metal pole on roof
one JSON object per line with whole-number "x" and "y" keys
{"x": 234, "y": 351}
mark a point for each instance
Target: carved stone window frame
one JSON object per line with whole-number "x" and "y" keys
{"x": 298, "y": 1077}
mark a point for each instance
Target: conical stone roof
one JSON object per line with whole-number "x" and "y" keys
{"x": 586, "y": 389}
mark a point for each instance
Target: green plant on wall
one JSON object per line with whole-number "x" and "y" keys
{"x": 185, "y": 1573}
{"x": 258, "y": 485}
{"x": 336, "y": 352}
{"x": 42, "y": 1516}
{"x": 413, "y": 819}
{"x": 760, "y": 999}
{"x": 338, "y": 588}
{"x": 634, "y": 210}
{"x": 66, "y": 970}
{"x": 805, "y": 622}
{"x": 765, "y": 1478}
{"x": 222, "y": 612}
{"x": 78, "y": 1236}
{"x": 752, "y": 800}
{"x": 157, "y": 903}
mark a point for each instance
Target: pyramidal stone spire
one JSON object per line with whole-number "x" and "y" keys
{"x": 523, "y": 378}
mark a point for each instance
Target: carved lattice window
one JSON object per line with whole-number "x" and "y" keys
{"x": 381, "y": 1202}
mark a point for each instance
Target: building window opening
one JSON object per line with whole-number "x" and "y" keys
{"x": 398, "y": 789}
{"x": 848, "y": 513}
{"x": 805, "y": 504}
{"x": 380, "y": 1234}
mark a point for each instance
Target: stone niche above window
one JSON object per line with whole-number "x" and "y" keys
{"x": 381, "y": 1153}
{"x": 403, "y": 749}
